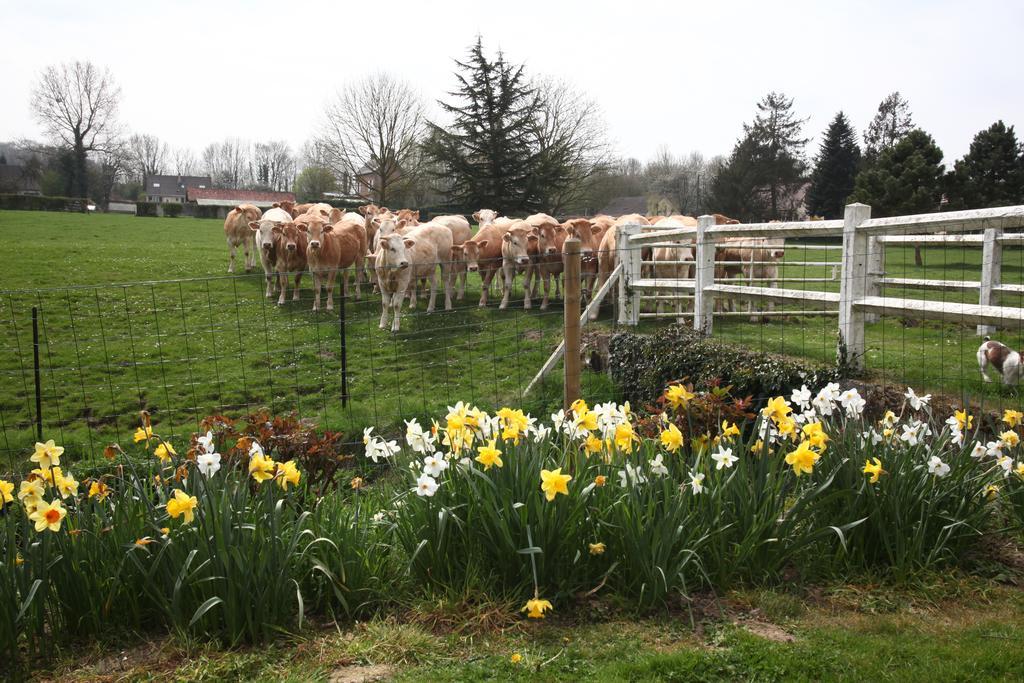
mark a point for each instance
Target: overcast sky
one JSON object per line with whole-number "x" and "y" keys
{"x": 686, "y": 75}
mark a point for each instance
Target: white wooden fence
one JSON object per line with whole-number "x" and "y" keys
{"x": 862, "y": 277}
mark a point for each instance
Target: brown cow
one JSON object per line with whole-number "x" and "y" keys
{"x": 398, "y": 262}
{"x": 482, "y": 254}
{"x": 237, "y": 232}
{"x": 299, "y": 209}
{"x": 333, "y": 248}
{"x": 291, "y": 257}
{"x": 515, "y": 258}
{"x": 549, "y": 265}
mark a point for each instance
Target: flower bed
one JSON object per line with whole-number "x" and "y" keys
{"x": 228, "y": 540}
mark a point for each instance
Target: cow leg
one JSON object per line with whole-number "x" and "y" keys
{"x": 547, "y": 291}
{"x": 231, "y": 256}
{"x": 317, "y": 282}
{"x": 330, "y": 287}
{"x": 527, "y": 304}
{"x": 282, "y": 281}
{"x": 433, "y": 293}
{"x": 248, "y": 256}
{"x": 385, "y": 307}
{"x": 411, "y": 289}
{"x": 447, "y": 279}
{"x": 506, "y": 279}
{"x": 485, "y": 286}
{"x": 298, "y": 279}
{"x": 396, "y": 305}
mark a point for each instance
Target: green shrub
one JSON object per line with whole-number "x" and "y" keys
{"x": 147, "y": 209}
{"x": 171, "y": 209}
{"x": 642, "y": 365}
{"x": 22, "y": 202}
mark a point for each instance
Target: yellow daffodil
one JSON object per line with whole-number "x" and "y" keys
{"x": 991, "y": 491}
{"x": 6, "y": 493}
{"x": 49, "y": 476}
{"x": 802, "y": 459}
{"x": 357, "y": 483}
{"x": 587, "y": 420}
{"x": 757, "y": 447}
{"x": 67, "y": 486}
{"x": 48, "y": 516}
{"x": 31, "y": 491}
{"x": 165, "y": 451}
{"x": 18, "y": 560}
{"x": 963, "y": 420}
{"x": 579, "y": 406}
{"x": 47, "y": 454}
{"x": 143, "y": 542}
{"x": 516, "y": 658}
{"x": 99, "y": 490}
{"x": 600, "y": 480}
{"x": 536, "y": 608}
{"x": 596, "y": 548}
{"x": 164, "y": 530}
{"x": 1010, "y": 438}
{"x": 672, "y": 438}
{"x": 288, "y": 473}
{"x": 1020, "y": 469}
{"x": 625, "y": 437}
{"x": 261, "y": 467}
{"x": 554, "y": 482}
{"x": 729, "y": 430}
{"x": 1012, "y": 418}
{"x": 815, "y": 435}
{"x": 874, "y": 469}
{"x": 144, "y": 433}
{"x": 777, "y": 410}
{"x": 786, "y": 427}
{"x": 182, "y": 504}
{"x": 679, "y": 396}
{"x": 489, "y": 456}
{"x": 593, "y": 444}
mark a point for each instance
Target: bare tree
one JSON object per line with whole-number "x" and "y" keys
{"x": 184, "y": 161}
{"x": 685, "y": 182}
{"x": 572, "y": 142}
{"x": 147, "y": 155}
{"x": 273, "y": 166}
{"x": 227, "y": 162}
{"x": 370, "y": 132}
{"x": 77, "y": 105}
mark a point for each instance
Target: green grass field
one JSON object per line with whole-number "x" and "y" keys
{"x": 140, "y": 314}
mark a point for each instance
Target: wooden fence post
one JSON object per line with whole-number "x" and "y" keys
{"x": 629, "y": 255}
{"x": 876, "y": 270}
{"x": 852, "y": 287}
{"x": 991, "y": 272}
{"x": 703, "y": 277}
{"x": 571, "y": 291}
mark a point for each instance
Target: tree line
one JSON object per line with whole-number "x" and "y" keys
{"x": 519, "y": 142}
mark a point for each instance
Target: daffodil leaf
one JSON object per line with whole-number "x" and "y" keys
{"x": 203, "y": 609}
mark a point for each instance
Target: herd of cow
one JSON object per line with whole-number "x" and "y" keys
{"x": 403, "y": 252}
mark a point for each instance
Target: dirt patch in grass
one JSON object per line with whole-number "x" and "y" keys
{"x": 771, "y": 632}
{"x": 361, "y": 674}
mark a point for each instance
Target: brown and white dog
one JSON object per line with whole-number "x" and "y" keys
{"x": 1005, "y": 360}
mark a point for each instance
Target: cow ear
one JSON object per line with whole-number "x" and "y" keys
{"x": 456, "y": 249}
{"x": 560, "y": 229}
{"x": 400, "y": 224}
{"x": 507, "y": 237}
{"x": 275, "y": 205}
{"x": 376, "y": 221}
{"x": 254, "y": 226}
{"x": 409, "y": 243}
{"x": 362, "y": 210}
{"x": 476, "y": 216}
{"x": 304, "y": 228}
{"x": 416, "y": 214}
{"x": 328, "y": 228}
{"x": 276, "y": 230}
{"x": 482, "y": 243}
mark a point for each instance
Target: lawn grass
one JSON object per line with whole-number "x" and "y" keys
{"x": 179, "y": 338}
{"x": 851, "y": 633}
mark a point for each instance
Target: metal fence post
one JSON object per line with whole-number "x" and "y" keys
{"x": 704, "y": 276}
{"x": 853, "y": 287}
{"x": 344, "y": 347}
{"x": 571, "y": 304}
{"x": 631, "y": 257}
{"x": 35, "y": 363}
{"x": 991, "y": 272}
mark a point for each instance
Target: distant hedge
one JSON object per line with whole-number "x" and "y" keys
{"x": 171, "y": 209}
{"x": 197, "y": 211}
{"x": 642, "y": 364}
{"x": 22, "y": 202}
{"x": 147, "y": 209}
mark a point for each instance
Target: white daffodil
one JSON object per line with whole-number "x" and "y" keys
{"x": 911, "y": 434}
{"x": 917, "y": 402}
{"x": 541, "y": 433}
{"x": 696, "y": 482}
{"x": 658, "y": 467}
{"x": 852, "y": 402}
{"x": 434, "y": 466}
{"x": 937, "y": 467}
{"x": 208, "y": 463}
{"x": 979, "y": 451}
{"x": 994, "y": 449}
{"x": 206, "y": 442}
{"x": 956, "y": 436}
{"x": 801, "y": 397}
{"x": 418, "y": 440}
{"x": 557, "y": 419}
{"x": 723, "y": 458}
{"x": 631, "y": 476}
{"x": 823, "y": 403}
{"x": 377, "y": 448}
{"x": 426, "y": 485}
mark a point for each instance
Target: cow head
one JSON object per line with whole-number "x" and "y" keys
{"x": 583, "y": 229}
{"x": 394, "y": 248}
{"x": 471, "y": 250}
{"x": 516, "y": 245}
{"x": 264, "y": 230}
{"x": 292, "y": 236}
{"x": 369, "y": 210}
{"x": 315, "y": 229}
{"x": 546, "y": 242}
{"x": 485, "y": 217}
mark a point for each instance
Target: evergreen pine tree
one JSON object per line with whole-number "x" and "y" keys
{"x": 991, "y": 173}
{"x": 487, "y": 154}
{"x": 835, "y": 169}
{"x": 891, "y": 123}
{"x": 906, "y": 179}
